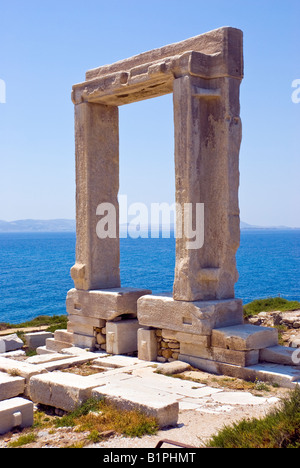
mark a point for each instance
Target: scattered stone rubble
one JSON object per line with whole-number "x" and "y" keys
{"x": 288, "y": 321}
{"x": 10, "y": 343}
{"x": 126, "y": 381}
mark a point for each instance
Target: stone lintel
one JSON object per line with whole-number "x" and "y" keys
{"x": 152, "y": 74}
{"x": 226, "y": 41}
{"x": 198, "y": 318}
{"x": 106, "y": 304}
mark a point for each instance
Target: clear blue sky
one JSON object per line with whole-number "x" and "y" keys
{"x": 46, "y": 47}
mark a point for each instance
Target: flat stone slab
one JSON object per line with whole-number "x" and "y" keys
{"x": 68, "y": 362}
{"x": 12, "y": 354}
{"x": 219, "y": 354}
{"x": 19, "y": 368}
{"x": 76, "y": 351}
{"x": 148, "y": 378}
{"x": 10, "y": 343}
{"x": 116, "y": 361}
{"x": 36, "y": 339}
{"x": 113, "y": 375}
{"x": 280, "y": 355}
{"x": 186, "y": 405}
{"x": 15, "y": 412}
{"x": 45, "y": 358}
{"x": 164, "y": 383}
{"x": 215, "y": 408}
{"x": 244, "y": 337}
{"x": 67, "y": 391}
{"x": 60, "y": 389}
{"x": 44, "y": 350}
{"x": 286, "y": 376}
{"x": 240, "y": 398}
{"x": 10, "y": 386}
{"x": 162, "y": 406}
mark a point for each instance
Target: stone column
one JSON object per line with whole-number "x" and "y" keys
{"x": 207, "y": 142}
{"x": 97, "y": 182}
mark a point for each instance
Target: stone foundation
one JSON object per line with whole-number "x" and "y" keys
{"x": 167, "y": 349}
{"x": 206, "y": 334}
{"x": 236, "y": 344}
{"x": 100, "y": 320}
{"x": 240, "y": 345}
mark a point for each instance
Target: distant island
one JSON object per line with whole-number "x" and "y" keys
{"x": 34, "y": 225}
{"x": 245, "y": 226}
{"x": 69, "y": 225}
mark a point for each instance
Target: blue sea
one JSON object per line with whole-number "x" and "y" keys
{"x": 35, "y": 269}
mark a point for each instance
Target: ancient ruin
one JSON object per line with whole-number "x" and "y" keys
{"x": 200, "y": 321}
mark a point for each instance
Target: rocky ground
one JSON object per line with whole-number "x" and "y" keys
{"x": 288, "y": 324}
{"x": 238, "y": 400}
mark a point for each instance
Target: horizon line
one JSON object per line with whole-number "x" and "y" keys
{"x": 170, "y": 226}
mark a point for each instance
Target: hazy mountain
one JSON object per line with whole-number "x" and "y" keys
{"x": 251, "y": 226}
{"x": 69, "y": 225}
{"x": 34, "y": 225}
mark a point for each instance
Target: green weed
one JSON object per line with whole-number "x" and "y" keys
{"x": 269, "y": 305}
{"x": 279, "y": 429}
